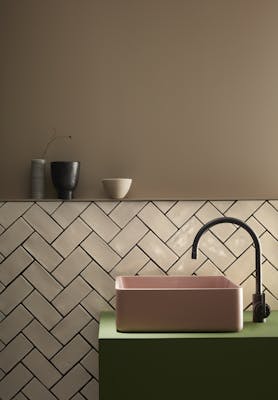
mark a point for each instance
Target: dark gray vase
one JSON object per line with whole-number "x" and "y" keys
{"x": 65, "y": 175}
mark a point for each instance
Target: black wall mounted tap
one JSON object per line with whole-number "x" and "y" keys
{"x": 261, "y": 310}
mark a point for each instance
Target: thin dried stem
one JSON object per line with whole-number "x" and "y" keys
{"x": 52, "y": 139}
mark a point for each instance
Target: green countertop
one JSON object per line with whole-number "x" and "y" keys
{"x": 268, "y": 329}
{"x": 165, "y": 366}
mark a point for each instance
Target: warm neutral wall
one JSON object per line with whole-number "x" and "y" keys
{"x": 181, "y": 95}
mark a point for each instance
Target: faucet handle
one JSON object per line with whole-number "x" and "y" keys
{"x": 261, "y": 310}
{"x": 267, "y": 310}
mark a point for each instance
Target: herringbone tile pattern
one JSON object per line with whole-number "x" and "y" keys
{"x": 59, "y": 261}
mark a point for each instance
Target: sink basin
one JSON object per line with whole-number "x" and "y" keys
{"x": 178, "y": 304}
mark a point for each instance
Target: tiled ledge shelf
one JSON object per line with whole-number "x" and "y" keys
{"x": 143, "y": 199}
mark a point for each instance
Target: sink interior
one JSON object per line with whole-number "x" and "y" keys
{"x": 178, "y": 304}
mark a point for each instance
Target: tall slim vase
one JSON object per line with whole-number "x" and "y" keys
{"x": 38, "y": 178}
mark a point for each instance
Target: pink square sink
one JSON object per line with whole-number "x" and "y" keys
{"x": 178, "y": 304}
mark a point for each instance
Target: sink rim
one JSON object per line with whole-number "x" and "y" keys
{"x": 174, "y": 279}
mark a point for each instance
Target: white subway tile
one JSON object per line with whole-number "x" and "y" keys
{"x": 157, "y": 251}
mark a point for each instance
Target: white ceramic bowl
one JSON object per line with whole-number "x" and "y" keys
{"x": 116, "y": 188}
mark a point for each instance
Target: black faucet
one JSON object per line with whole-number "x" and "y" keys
{"x": 261, "y": 310}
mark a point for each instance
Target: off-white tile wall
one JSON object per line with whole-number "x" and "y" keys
{"x": 59, "y": 261}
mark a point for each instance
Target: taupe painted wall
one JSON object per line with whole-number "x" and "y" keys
{"x": 180, "y": 95}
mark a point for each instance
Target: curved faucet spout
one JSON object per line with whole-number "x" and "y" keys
{"x": 260, "y": 309}
{"x": 248, "y": 229}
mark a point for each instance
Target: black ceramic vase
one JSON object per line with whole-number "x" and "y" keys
{"x": 65, "y": 176}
